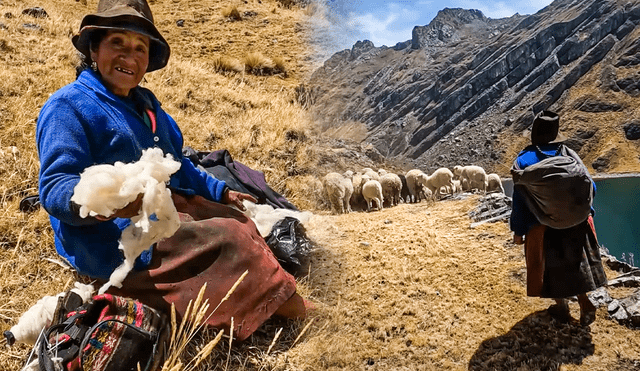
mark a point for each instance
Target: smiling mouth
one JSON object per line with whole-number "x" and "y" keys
{"x": 120, "y": 69}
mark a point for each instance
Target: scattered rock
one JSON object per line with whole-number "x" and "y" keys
{"x": 630, "y": 85}
{"x": 371, "y": 152}
{"x": 32, "y": 26}
{"x": 626, "y": 311}
{"x": 614, "y": 264}
{"x": 180, "y": 23}
{"x": 602, "y": 163}
{"x": 35, "y": 12}
{"x": 592, "y": 105}
{"x": 632, "y": 130}
{"x": 629, "y": 279}
{"x": 491, "y": 208}
{"x": 600, "y": 297}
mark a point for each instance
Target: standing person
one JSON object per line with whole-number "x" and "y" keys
{"x": 561, "y": 263}
{"x": 104, "y": 117}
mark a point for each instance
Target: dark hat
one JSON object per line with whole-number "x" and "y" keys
{"x": 545, "y": 128}
{"x": 132, "y": 15}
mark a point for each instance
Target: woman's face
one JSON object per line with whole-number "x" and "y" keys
{"x": 122, "y": 58}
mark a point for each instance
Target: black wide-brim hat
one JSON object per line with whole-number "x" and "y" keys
{"x": 132, "y": 15}
{"x": 546, "y": 128}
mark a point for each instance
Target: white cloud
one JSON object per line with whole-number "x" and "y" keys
{"x": 387, "y": 27}
{"x": 501, "y": 9}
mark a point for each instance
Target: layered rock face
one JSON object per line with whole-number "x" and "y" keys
{"x": 466, "y": 85}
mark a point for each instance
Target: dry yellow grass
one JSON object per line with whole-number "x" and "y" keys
{"x": 407, "y": 288}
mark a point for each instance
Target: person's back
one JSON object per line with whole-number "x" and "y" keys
{"x": 561, "y": 262}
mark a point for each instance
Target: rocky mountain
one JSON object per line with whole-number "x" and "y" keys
{"x": 465, "y": 88}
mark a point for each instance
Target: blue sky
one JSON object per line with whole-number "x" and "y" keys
{"x": 390, "y": 22}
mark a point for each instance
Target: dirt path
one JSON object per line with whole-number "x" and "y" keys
{"x": 414, "y": 288}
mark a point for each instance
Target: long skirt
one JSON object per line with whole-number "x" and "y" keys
{"x": 563, "y": 262}
{"x": 215, "y": 244}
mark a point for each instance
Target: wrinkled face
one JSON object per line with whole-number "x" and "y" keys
{"x": 122, "y": 58}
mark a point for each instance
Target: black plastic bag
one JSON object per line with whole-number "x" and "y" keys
{"x": 30, "y": 204}
{"x": 289, "y": 243}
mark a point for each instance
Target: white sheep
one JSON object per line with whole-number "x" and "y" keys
{"x": 475, "y": 176}
{"x": 464, "y": 185}
{"x": 372, "y": 191}
{"x": 356, "y": 196}
{"x": 391, "y": 188}
{"x": 371, "y": 173}
{"x": 338, "y": 190}
{"x": 434, "y": 182}
{"x": 416, "y": 188}
{"x": 457, "y": 187}
{"x": 494, "y": 184}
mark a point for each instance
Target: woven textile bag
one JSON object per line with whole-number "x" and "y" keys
{"x": 108, "y": 333}
{"x": 558, "y": 190}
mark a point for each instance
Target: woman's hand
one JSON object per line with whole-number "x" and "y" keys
{"x": 234, "y": 198}
{"x": 129, "y": 211}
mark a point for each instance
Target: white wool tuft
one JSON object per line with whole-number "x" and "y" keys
{"x": 265, "y": 216}
{"x": 103, "y": 189}
{"x": 41, "y": 313}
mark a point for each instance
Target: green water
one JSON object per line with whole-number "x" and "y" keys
{"x": 617, "y": 218}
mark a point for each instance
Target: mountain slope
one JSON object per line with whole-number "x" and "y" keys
{"x": 466, "y": 87}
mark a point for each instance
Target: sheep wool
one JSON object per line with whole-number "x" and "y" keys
{"x": 103, "y": 189}
{"x": 34, "y": 320}
{"x": 265, "y": 216}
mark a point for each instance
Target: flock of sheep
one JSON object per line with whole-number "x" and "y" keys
{"x": 385, "y": 188}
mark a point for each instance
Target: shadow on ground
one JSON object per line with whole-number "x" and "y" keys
{"x": 537, "y": 342}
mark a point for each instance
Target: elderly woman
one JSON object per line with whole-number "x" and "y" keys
{"x": 561, "y": 263}
{"x": 104, "y": 117}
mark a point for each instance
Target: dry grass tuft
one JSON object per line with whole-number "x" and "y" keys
{"x": 279, "y": 66}
{"x": 231, "y": 13}
{"x": 257, "y": 64}
{"x": 227, "y": 64}
{"x": 287, "y": 3}
{"x": 193, "y": 322}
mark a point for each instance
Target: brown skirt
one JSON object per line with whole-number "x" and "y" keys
{"x": 215, "y": 244}
{"x": 534, "y": 256}
{"x": 563, "y": 262}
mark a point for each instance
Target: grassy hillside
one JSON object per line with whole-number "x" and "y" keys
{"x": 408, "y": 288}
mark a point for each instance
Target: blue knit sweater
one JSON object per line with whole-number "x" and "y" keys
{"x": 84, "y": 124}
